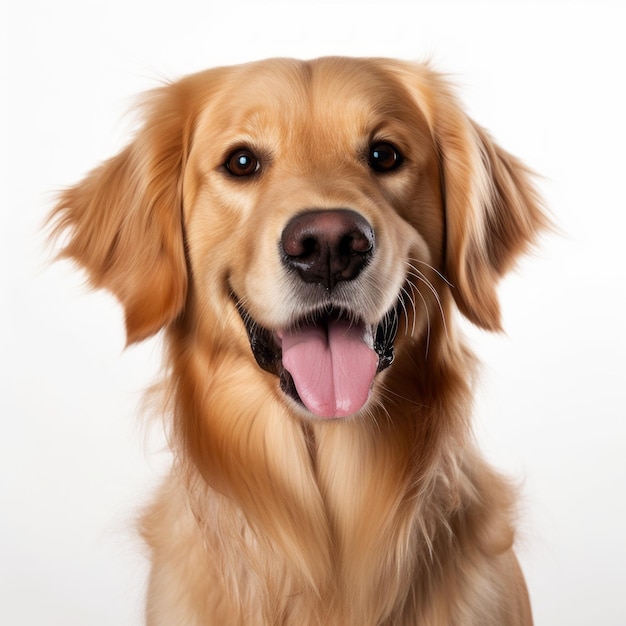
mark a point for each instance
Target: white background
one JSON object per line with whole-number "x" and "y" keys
{"x": 546, "y": 78}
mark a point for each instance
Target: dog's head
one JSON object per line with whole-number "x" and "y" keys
{"x": 314, "y": 217}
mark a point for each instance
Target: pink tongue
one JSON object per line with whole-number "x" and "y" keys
{"x": 333, "y": 369}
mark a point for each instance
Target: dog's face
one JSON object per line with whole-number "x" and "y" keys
{"x": 311, "y": 200}
{"x": 314, "y": 218}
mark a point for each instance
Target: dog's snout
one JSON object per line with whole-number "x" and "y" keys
{"x": 327, "y": 246}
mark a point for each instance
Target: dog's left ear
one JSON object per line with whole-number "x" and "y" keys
{"x": 492, "y": 211}
{"x": 124, "y": 220}
{"x": 493, "y": 215}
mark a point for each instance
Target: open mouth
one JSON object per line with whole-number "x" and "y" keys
{"x": 328, "y": 360}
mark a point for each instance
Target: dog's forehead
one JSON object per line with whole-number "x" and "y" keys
{"x": 330, "y": 95}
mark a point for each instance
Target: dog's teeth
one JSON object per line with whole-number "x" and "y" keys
{"x": 368, "y": 336}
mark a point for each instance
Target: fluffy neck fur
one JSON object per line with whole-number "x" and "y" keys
{"x": 349, "y": 522}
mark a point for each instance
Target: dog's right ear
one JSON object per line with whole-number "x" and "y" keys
{"x": 124, "y": 220}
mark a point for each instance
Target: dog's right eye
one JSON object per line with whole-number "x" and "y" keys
{"x": 242, "y": 163}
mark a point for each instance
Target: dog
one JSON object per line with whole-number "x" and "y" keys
{"x": 305, "y": 234}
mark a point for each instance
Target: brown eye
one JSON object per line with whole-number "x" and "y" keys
{"x": 384, "y": 157}
{"x": 242, "y": 163}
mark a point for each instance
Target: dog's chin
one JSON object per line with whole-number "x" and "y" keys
{"x": 327, "y": 361}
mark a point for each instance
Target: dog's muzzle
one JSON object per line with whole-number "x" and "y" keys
{"x": 327, "y": 360}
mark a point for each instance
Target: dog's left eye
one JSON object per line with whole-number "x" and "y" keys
{"x": 384, "y": 157}
{"x": 243, "y": 163}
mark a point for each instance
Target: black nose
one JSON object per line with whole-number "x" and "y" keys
{"x": 327, "y": 246}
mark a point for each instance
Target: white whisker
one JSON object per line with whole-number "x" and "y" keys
{"x": 434, "y": 269}
{"x": 406, "y": 313}
{"x": 413, "y": 290}
{"x": 427, "y": 319}
{"x": 420, "y": 276}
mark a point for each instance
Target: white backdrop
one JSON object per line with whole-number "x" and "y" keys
{"x": 547, "y": 79}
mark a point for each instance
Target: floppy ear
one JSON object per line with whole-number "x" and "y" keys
{"x": 125, "y": 220}
{"x": 493, "y": 215}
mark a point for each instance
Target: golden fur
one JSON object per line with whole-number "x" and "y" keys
{"x": 271, "y": 516}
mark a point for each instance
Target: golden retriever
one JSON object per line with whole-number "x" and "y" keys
{"x": 304, "y": 233}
